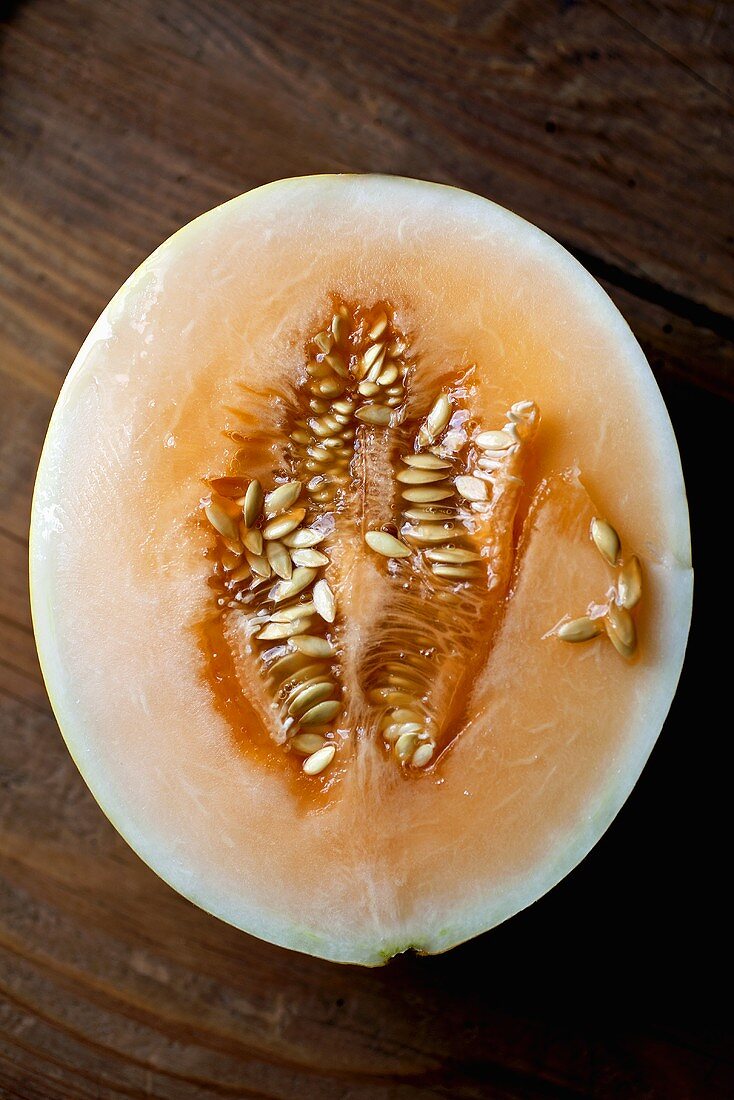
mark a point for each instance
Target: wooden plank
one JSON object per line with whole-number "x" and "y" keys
{"x": 607, "y": 168}
{"x": 14, "y": 572}
{"x": 118, "y": 123}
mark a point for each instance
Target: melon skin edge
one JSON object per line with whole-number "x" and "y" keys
{"x": 569, "y": 850}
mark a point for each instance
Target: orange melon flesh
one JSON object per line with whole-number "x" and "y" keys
{"x": 215, "y": 321}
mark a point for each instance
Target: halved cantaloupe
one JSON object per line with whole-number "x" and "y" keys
{"x": 473, "y": 468}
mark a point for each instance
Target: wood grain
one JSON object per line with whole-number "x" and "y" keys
{"x": 610, "y": 126}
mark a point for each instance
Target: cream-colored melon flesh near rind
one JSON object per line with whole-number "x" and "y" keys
{"x": 119, "y": 575}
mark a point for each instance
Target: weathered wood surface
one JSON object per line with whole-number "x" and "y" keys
{"x": 610, "y": 126}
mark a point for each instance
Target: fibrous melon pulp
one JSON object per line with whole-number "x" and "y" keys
{"x": 360, "y": 564}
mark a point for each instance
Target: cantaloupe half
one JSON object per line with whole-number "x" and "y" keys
{"x": 474, "y": 753}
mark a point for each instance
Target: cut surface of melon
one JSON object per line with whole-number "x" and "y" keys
{"x": 192, "y": 373}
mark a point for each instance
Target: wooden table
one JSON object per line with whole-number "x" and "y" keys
{"x": 609, "y": 125}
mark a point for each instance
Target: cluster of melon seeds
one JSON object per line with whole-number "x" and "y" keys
{"x": 356, "y": 374}
{"x": 615, "y": 621}
{"x": 435, "y": 494}
{"x": 272, "y": 573}
{"x": 275, "y": 571}
{"x": 451, "y": 553}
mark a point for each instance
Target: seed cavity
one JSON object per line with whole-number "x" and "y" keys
{"x": 451, "y": 476}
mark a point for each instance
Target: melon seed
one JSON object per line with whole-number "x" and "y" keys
{"x": 321, "y": 713}
{"x": 422, "y": 755}
{"x": 431, "y": 513}
{"x": 629, "y": 583}
{"x": 320, "y": 760}
{"x": 293, "y": 611}
{"x": 308, "y": 696}
{"x": 378, "y": 327}
{"x": 301, "y": 578}
{"x": 304, "y": 537}
{"x": 283, "y": 525}
{"x": 579, "y": 630}
{"x": 605, "y": 539}
{"x": 287, "y": 665}
{"x": 433, "y": 532}
{"x": 401, "y": 714}
{"x": 368, "y": 389}
{"x": 620, "y": 627}
{"x": 471, "y": 488}
{"x": 309, "y": 557}
{"x": 323, "y": 601}
{"x": 456, "y": 572}
{"x": 339, "y": 327}
{"x": 230, "y": 560}
{"x": 323, "y": 341}
{"x": 312, "y": 645}
{"x": 426, "y": 462}
{"x": 274, "y": 631}
{"x": 254, "y": 500}
{"x": 253, "y": 540}
{"x": 436, "y": 421}
{"x": 337, "y": 364}
{"x": 307, "y": 743}
{"x": 493, "y": 441}
{"x": 405, "y": 746}
{"x": 221, "y": 521}
{"x": 330, "y": 387}
{"x": 280, "y": 559}
{"x": 374, "y": 414}
{"x": 282, "y": 498}
{"x": 452, "y": 555}
{"x": 317, "y": 673}
{"x": 388, "y": 375}
{"x": 426, "y": 494}
{"x": 259, "y": 564}
{"x": 416, "y": 476}
{"x": 387, "y": 545}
